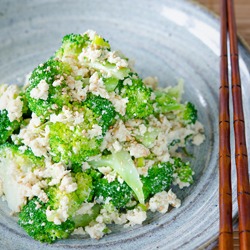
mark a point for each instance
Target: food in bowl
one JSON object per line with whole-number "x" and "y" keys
{"x": 86, "y": 143}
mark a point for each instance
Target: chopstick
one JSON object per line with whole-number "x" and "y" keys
{"x": 228, "y": 26}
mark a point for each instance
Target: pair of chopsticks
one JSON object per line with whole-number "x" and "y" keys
{"x": 228, "y": 29}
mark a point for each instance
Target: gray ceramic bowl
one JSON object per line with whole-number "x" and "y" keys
{"x": 169, "y": 39}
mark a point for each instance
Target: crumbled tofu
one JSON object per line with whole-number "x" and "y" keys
{"x": 19, "y": 182}
{"x": 85, "y": 209}
{"x": 96, "y": 86}
{"x": 85, "y": 166}
{"x": 135, "y": 216}
{"x": 110, "y": 214}
{"x": 181, "y": 184}
{"x": 54, "y": 171}
{"x": 161, "y": 201}
{"x": 77, "y": 91}
{"x": 105, "y": 170}
{"x": 117, "y": 146}
{"x": 10, "y": 100}
{"x": 41, "y": 91}
{"x": 56, "y": 83}
{"x": 111, "y": 176}
{"x": 59, "y": 215}
{"x": 90, "y": 53}
{"x": 198, "y": 139}
{"x": 127, "y": 81}
{"x": 138, "y": 150}
{"x": 35, "y": 138}
{"x": 78, "y": 231}
{"x": 68, "y": 116}
{"x": 120, "y": 132}
{"x": 67, "y": 184}
{"x": 119, "y": 103}
{"x": 151, "y": 82}
{"x": 91, "y": 34}
{"x": 96, "y": 231}
{"x": 95, "y": 131}
{"x": 114, "y": 57}
{"x": 143, "y": 129}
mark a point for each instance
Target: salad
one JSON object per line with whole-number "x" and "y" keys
{"x": 86, "y": 143}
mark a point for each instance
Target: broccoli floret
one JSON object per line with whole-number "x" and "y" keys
{"x": 71, "y": 142}
{"x": 34, "y": 221}
{"x": 122, "y": 163}
{"x": 41, "y": 225}
{"x": 159, "y": 178}
{"x": 42, "y": 95}
{"x": 6, "y": 126}
{"x": 72, "y": 45}
{"x": 119, "y": 194}
{"x": 103, "y": 108}
{"x": 189, "y": 113}
{"x": 176, "y": 91}
{"x": 183, "y": 171}
{"x": 139, "y": 98}
{"x": 164, "y": 102}
{"x": 169, "y": 101}
{"x": 85, "y": 186}
{"x": 13, "y": 160}
{"x": 75, "y": 199}
{"x": 13, "y": 107}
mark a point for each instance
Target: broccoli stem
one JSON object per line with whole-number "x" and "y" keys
{"x": 122, "y": 163}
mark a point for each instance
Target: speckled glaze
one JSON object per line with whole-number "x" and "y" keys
{"x": 168, "y": 39}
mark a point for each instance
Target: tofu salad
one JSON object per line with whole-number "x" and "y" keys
{"x": 86, "y": 142}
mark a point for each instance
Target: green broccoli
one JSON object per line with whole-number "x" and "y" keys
{"x": 34, "y": 221}
{"x": 119, "y": 194}
{"x": 41, "y": 226}
{"x": 71, "y": 143}
{"x": 72, "y": 45}
{"x": 13, "y": 107}
{"x": 6, "y": 126}
{"x": 183, "y": 171}
{"x": 83, "y": 193}
{"x": 103, "y": 108}
{"x": 164, "y": 102}
{"x": 139, "y": 98}
{"x": 43, "y": 95}
{"x": 159, "y": 178}
{"x": 167, "y": 101}
{"x": 122, "y": 163}
{"x": 15, "y": 160}
{"x": 189, "y": 114}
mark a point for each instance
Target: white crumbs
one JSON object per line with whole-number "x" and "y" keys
{"x": 95, "y": 131}
{"x": 11, "y": 101}
{"x": 161, "y": 201}
{"x": 96, "y": 231}
{"x": 135, "y": 216}
{"x": 61, "y": 214}
{"x": 35, "y": 138}
{"x": 41, "y": 91}
{"x": 138, "y": 150}
{"x": 67, "y": 184}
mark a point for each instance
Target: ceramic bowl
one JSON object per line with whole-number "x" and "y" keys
{"x": 169, "y": 39}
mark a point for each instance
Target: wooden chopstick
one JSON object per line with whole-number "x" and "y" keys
{"x": 225, "y": 190}
{"x": 228, "y": 25}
